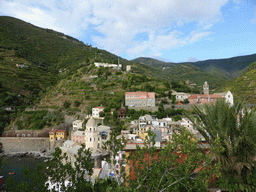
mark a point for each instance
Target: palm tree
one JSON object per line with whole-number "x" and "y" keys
{"x": 235, "y": 126}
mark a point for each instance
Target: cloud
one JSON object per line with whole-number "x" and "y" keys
{"x": 198, "y": 36}
{"x": 113, "y": 25}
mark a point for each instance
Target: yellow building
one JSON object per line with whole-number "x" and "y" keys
{"x": 52, "y": 135}
{"x": 57, "y": 134}
{"x": 142, "y": 133}
{"x": 61, "y": 134}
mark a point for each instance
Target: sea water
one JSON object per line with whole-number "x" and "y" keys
{"x": 16, "y": 165}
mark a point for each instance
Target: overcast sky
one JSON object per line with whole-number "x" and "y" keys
{"x": 170, "y": 30}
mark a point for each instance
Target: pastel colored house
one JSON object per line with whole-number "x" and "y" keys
{"x": 52, "y": 135}
{"x": 61, "y": 134}
{"x": 79, "y": 137}
{"x": 202, "y": 99}
{"x": 140, "y": 99}
{"x": 57, "y": 135}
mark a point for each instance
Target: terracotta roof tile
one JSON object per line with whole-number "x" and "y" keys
{"x": 204, "y": 96}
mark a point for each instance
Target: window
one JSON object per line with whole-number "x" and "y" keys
{"x": 90, "y": 139}
{"x": 90, "y": 129}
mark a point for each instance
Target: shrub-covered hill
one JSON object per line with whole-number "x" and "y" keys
{"x": 182, "y": 72}
{"x": 88, "y": 87}
{"x": 244, "y": 87}
{"x": 48, "y": 48}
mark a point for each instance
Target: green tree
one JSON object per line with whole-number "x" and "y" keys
{"x": 66, "y": 104}
{"x": 102, "y": 114}
{"x": 235, "y": 126}
{"x": 77, "y": 103}
{"x": 172, "y": 168}
{"x": 60, "y": 169}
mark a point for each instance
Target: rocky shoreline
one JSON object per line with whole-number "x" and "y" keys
{"x": 35, "y": 154}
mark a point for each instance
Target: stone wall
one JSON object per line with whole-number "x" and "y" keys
{"x": 152, "y": 109}
{"x": 24, "y": 144}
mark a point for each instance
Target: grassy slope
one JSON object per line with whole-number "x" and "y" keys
{"x": 244, "y": 87}
{"x": 22, "y": 80}
{"x": 182, "y": 72}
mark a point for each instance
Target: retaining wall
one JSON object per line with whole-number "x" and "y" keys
{"x": 24, "y": 144}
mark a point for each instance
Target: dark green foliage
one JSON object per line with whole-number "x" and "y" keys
{"x": 186, "y": 101}
{"x": 66, "y": 104}
{"x": 118, "y": 73}
{"x": 177, "y": 118}
{"x": 106, "y": 109}
{"x": 235, "y": 126}
{"x": 102, "y": 114}
{"x": 59, "y": 171}
{"x": 77, "y": 103}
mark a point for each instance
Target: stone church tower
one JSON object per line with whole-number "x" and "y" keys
{"x": 92, "y": 135}
{"x": 206, "y": 88}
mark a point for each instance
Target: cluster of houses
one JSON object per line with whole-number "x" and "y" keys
{"x": 205, "y": 97}
{"x": 147, "y": 99}
{"x": 93, "y": 134}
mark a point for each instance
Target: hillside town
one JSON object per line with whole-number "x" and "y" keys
{"x": 127, "y": 96}
{"x": 94, "y": 135}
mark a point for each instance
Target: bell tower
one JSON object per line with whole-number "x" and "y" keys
{"x": 206, "y": 88}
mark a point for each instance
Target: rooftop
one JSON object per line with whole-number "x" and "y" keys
{"x": 204, "y": 96}
{"x": 99, "y": 107}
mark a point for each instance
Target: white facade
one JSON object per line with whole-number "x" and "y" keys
{"x": 186, "y": 123}
{"x": 119, "y": 66}
{"x": 228, "y": 97}
{"x": 95, "y": 135}
{"x": 206, "y": 88}
{"x": 128, "y": 68}
{"x": 96, "y": 111}
{"x": 180, "y": 96}
{"x": 92, "y": 137}
{"x": 78, "y": 124}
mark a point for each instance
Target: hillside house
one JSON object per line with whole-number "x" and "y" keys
{"x": 57, "y": 135}
{"x": 203, "y": 99}
{"x": 21, "y": 65}
{"x": 96, "y": 111}
{"x": 114, "y": 66}
{"x": 180, "y": 96}
{"x": 140, "y": 99}
{"x": 228, "y": 97}
{"x": 186, "y": 123}
{"x": 77, "y": 124}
